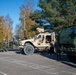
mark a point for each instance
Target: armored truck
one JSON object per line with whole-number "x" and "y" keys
{"x": 67, "y": 41}
{"x": 38, "y": 42}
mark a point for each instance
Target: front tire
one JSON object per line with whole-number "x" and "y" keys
{"x": 28, "y": 49}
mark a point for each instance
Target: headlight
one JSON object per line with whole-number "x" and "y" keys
{"x": 22, "y": 43}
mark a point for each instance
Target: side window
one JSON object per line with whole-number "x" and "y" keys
{"x": 41, "y": 38}
{"x": 48, "y": 39}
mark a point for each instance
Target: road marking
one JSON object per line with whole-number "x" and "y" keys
{"x": 3, "y": 73}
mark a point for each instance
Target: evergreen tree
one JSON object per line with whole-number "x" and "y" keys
{"x": 61, "y": 13}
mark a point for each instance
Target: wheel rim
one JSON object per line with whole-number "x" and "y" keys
{"x": 28, "y": 50}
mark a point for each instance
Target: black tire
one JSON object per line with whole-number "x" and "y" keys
{"x": 28, "y": 49}
{"x": 71, "y": 58}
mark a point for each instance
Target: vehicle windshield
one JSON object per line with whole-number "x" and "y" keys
{"x": 37, "y": 36}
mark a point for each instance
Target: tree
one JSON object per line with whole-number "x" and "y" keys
{"x": 26, "y": 21}
{"x": 61, "y": 13}
{"x": 36, "y": 15}
{"x": 2, "y": 29}
{"x": 19, "y": 31}
{"x": 2, "y": 33}
{"x": 8, "y": 24}
{"x": 5, "y": 31}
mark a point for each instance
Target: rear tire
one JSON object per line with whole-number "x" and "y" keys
{"x": 71, "y": 58}
{"x": 28, "y": 49}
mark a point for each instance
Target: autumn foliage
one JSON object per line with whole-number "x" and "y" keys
{"x": 2, "y": 29}
{"x": 24, "y": 30}
{"x": 5, "y": 33}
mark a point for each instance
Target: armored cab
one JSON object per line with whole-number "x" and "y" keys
{"x": 67, "y": 41}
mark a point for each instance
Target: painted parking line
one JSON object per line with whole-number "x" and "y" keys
{"x": 3, "y": 73}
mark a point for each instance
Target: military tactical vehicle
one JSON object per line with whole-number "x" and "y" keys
{"x": 67, "y": 41}
{"x": 39, "y": 42}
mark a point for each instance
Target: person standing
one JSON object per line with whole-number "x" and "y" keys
{"x": 58, "y": 51}
{"x": 52, "y": 47}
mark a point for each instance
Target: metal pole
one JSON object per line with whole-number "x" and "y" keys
{"x": 24, "y": 25}
{"x": 24, "y": 22}
{"x": 24, "y": 28}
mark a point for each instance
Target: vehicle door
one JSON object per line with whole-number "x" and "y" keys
{"x": 40, "y": 40}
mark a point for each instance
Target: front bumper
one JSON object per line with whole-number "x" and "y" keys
{"x": 20, "y": 47}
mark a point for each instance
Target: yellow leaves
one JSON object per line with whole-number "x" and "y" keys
{"x": 30, "y": 34}
{"x": 29, "y": 21}
{"x": 26, "y": 20}
{"x": 2, "y": 35}
{"x": 4, "y": 31}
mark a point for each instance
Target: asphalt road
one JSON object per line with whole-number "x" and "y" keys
{"x": 16, "y": 63}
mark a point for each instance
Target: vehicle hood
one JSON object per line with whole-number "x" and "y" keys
{"x": 27, "y": 40}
